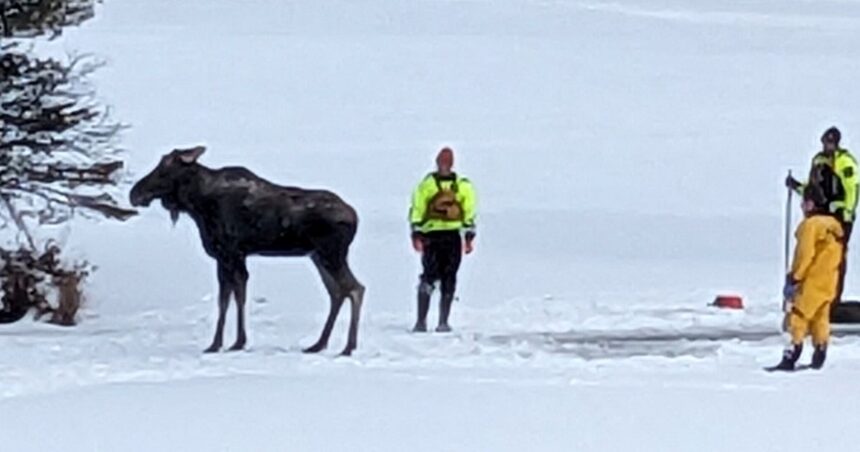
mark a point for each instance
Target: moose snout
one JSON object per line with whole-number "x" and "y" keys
{"x": 137, "y": 198}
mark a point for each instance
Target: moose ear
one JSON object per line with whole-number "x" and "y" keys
{"x": 189, "y": 156}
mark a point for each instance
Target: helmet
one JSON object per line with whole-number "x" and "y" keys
{"x": 831, "y": 135}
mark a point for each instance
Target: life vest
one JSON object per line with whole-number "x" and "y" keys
{"x": 444, "y": 205}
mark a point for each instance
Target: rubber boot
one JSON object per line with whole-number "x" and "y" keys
{"x": 444, "y": 313}
{"x": 818, "y": 357}
{"x": 423, "y": 308}
{"x": 789, "y": 358}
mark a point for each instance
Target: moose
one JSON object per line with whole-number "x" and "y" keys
{"x": 240, "y": 214}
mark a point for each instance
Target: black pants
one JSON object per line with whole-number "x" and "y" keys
{"x": 443, "y": 252}
{"x": 843, "y": 267}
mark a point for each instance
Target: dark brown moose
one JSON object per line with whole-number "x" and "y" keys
{"x": 240, "y": 214}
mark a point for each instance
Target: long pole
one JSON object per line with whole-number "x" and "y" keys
{"x": 787, "y": 251}
{"x": 788, "y": 204}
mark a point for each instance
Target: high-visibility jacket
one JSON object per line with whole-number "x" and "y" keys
{"x": 838, "y": 177}
{"x": 421, "y": 215}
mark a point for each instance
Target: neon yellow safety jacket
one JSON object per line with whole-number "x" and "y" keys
{"x": 424, "y": 216}
{"x": 838, "y": 177}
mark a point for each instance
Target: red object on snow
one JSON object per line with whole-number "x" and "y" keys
{"x": 729, "y": 302}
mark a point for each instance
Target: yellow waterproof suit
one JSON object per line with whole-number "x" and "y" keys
{"x": 816, "y": 270}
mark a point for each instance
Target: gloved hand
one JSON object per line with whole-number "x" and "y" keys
{"x": 789, "y": 290}
{"x": 418, "y": 243}
{"x": 792, "y": 183}
{"x": 469, "y": 243}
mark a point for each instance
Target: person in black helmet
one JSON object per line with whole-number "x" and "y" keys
{"x": 834, "y": 171}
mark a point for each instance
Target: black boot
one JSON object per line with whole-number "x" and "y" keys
{"x": 423, "y": 308}
{"x": 444, "y": 313}
{"x": 789, "y": 358}
{"x": 818, "y": 357}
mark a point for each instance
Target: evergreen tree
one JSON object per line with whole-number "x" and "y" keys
{"x": 59, "y": 156}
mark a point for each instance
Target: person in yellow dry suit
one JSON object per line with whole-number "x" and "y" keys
{"x": 835, "y": 171}
{"x": 811, "y": 285}
{"x": 442, "y": 216}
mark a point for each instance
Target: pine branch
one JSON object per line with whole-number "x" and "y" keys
{"x": 31, "y": 18}
{"x": 55, "y": 140}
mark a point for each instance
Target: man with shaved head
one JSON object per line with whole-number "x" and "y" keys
{"x": 443, "y": 228}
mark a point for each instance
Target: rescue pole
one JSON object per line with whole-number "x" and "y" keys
{"x": 787, "y": 249}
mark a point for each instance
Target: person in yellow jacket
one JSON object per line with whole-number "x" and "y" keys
{"x": 835, "y": 171}
{"x": 811, "y": 285}
{"x": 442, "y": 218}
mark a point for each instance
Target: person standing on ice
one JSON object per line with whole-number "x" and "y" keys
{"x": 442, "y": 217}
{"x": 811, "y": 285}
{"x": 834, "y": 170}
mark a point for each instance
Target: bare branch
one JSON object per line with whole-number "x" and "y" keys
{"x": 19, "y": 222}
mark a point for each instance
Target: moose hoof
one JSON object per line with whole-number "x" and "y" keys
{"x": 212, "y": 349}
{"x": 316, "y": 348}
{"x": 346, "y": 352}
{"x": 238, "y": 346}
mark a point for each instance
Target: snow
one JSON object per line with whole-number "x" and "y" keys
{"x": 628, "y": 157}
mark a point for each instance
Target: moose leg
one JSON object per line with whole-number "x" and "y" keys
{"x": 225, "y": 289}
{"x": 336, "y": 296}
{"x": 240, "y": 274}
{"x": 356, "y": 298}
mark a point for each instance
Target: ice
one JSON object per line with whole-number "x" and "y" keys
{"x": 628, "y": 157}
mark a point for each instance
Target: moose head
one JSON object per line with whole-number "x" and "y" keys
{"x": 164, "y": 181}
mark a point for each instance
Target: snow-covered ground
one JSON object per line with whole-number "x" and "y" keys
{"x": 629, "y": 159}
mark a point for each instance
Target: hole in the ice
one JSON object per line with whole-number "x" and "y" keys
{"x": 609, "y": 345}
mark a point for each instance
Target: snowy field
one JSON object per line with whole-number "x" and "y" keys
{"x": 629, "y": 159}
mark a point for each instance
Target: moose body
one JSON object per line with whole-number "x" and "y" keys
{"x": 239, "y": 214}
